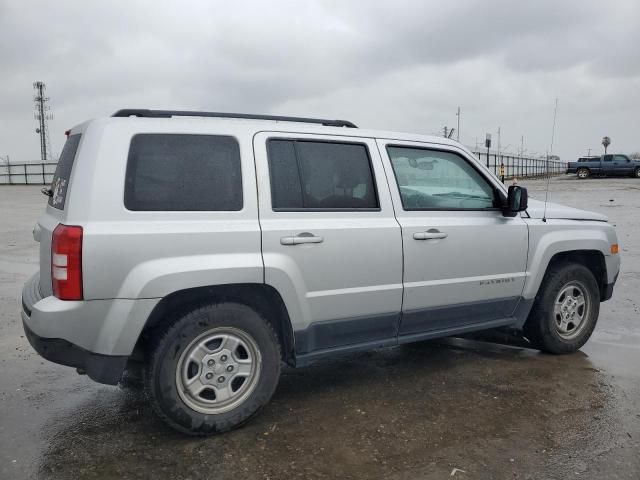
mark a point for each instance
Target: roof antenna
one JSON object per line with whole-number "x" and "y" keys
{"x": 553, "y": 132}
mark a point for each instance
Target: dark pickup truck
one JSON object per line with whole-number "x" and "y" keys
{"x": 609, "y": 165}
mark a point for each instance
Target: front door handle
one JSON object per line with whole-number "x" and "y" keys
{"x": 431, "y": 234}
{"x": 304, "y": 237}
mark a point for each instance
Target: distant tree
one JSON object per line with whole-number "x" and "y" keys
{"x": 606, "y": 141}
{"x": 635, "y": 155}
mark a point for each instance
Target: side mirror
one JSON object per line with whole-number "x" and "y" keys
{"x": 517, "y": 201}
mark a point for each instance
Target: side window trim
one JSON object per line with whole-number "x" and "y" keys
{"x": 495, "y": 191}
{"x": 295, "y": 141}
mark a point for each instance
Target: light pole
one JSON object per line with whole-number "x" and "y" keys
{"x": 487, "y": 143}
{"x": 458, "y": 134}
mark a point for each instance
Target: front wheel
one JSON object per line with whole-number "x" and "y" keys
{"x": 637, "y": 173}
{"x": 565, "y": 311}
{"x": 213, "y": 368}
{"x": 583, "y": 173}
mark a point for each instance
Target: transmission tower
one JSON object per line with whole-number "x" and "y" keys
{"x": 42, "y": 114}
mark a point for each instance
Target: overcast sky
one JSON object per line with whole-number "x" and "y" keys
{"x": 393, "y": 65}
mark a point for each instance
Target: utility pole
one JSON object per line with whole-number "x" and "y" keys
{"x": 458, "y": 134}
{"x": 42, "y": 115}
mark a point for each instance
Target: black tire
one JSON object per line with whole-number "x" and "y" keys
{"x": 583, "y": 173}
{"x": 161, "y": 376}
{"x": 541, "y": 328}
{"x": 637, "y": 173}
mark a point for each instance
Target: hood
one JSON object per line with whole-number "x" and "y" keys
{"x": 555, "y": 210}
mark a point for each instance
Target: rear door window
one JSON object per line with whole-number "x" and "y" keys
{"x": 310, "y": 175}
{"x": 182, "y": 172}
{"x": 60, "y": 183}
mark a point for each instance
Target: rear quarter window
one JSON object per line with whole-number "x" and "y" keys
{"x": 60, "y": 184}
{"x": 182, "y": 172}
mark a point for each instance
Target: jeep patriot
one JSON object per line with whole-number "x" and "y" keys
{"x": 211, "y": 248}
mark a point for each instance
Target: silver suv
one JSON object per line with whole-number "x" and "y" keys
{"x": 211, "y": 248}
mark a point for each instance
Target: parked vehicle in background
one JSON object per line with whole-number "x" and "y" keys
{"x": 605, "y": 165}
{"x": 212, "y": 250}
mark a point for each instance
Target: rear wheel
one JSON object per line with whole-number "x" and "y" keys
{"x": 213, "y": 369}
{"x": 565, "y": 311}
{"x": 583, "y": 173}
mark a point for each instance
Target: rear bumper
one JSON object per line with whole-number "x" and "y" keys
{"x": 101, "y": 368}
{"x": 97, "y": 336}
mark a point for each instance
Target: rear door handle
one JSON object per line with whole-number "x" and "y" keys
{"x": 431, "y": 234}
{"x": 304, "y": 237}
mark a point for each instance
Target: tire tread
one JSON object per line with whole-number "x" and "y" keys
{"x": 537, "y": 328}
{"x": 165, "y": 334}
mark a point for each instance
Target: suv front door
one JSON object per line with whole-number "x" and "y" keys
{"x": 464, "y": 262}
{"x": 330, "y": 242}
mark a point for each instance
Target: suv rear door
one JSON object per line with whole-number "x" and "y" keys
{"x": 54, "y": 213}
{"x": 330, "y": 242}
{"x": 464, "y": 262}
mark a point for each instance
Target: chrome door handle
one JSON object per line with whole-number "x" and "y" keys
{"x": 304, "y": 237}
{"x": 431, "y": 234}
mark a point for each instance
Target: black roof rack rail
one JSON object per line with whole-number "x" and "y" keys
{"x": 141, "y": 112}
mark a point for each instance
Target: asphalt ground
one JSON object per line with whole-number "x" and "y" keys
{"x": 455, "y": 408}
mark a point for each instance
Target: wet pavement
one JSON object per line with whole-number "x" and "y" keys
{"x": 435, "y": 410}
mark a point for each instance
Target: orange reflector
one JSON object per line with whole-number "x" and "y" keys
{"x": 614, "y": 248}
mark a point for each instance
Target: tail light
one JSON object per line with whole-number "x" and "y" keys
{"x": 66, "y": 262}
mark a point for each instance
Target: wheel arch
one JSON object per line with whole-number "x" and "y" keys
{"x": 592, "y": 259}
{"x": 263, "y": 298}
